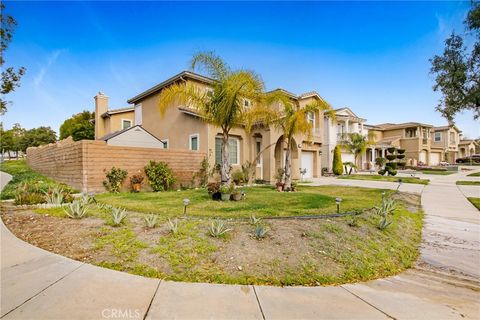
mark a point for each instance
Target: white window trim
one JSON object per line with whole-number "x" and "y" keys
{"x": 260, "y": 163}
{"x": 249, "y": 103}
{"x": 238, "y": 151}
{"x": 168, "y": 143}
{"x": 190, "y": 141}
{"x": 435, "y": 136}
{"x": 128, "y": 121}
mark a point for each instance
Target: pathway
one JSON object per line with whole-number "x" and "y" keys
{"x": 36, "y": 284}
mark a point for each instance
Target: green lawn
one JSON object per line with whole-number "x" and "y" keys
{"x": 22, "y": 173}
{"x": 262, "y": 201}
{"x": 440, "y": 173}
{"x": 468, "y": 183}
{"x": 378, "y": 177}
{"x": 475, "y": 174}
{"x": 475, "y": 202}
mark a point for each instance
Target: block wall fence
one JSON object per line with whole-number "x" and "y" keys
{"x": 81, "y": 164}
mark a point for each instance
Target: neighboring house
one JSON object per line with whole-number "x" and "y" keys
{"x": 135, "y": 136}
{"x": 181, "y": 127}
{"x": 467, "y": 148}
{"x": 336, "y": 131}
{"x": 445, "y": 142}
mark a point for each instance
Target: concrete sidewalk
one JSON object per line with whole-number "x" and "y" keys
{"x": 36, "y": 284}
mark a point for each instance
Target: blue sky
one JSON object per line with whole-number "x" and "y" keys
{"x": 369, "y": 56}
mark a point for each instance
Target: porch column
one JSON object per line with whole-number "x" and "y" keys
{"x": 347, "y": 129}
{"x": 373, "y": 155}
{"x": 383, "y": 152}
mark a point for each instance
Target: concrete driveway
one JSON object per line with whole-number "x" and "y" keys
{"x": 36, "y": 284}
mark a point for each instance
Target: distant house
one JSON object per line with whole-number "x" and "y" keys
{"x": 135, "y": 136}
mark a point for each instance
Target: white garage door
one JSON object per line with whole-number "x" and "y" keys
{"x": 307, "y": 163}
{"x": 422, "y": 157}
{"x": 434, "y": 158}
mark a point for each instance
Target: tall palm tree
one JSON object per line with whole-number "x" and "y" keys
{"x": 292, "y": 120}
{"x": 223, "y": 107}
{"x": 357, "y": 144}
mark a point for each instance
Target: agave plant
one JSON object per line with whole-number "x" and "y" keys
{"x": 218, "y": 228}
{"x": 254, "y": 220}
{"x": 118, "y": 215}
{"x": 172, "y": 226}
{"x": 87, "y": 199}
{"x": 386, "y": 208}
{"x": 260, "y": 231}
{"x": 76, "y": 210}
{"x": 54, "y": 196}
{"x": 151, "y": 220}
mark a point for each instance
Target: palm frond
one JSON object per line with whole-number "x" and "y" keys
{"x": 213, "y": 65}
{"x": 185, "y": 94}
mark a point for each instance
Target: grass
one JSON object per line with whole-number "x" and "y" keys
{"x": 468, "y": 183}
{"x": 475, "y": 174}
{"x": 475, "y": 202}
{"x": 377, "y": 177}
{"x": 437, "y": 172}
{"x": 22, "y": 174}
{"x": 262, "y": 201}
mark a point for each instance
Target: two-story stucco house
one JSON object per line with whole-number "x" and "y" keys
{"x": 181, "y": 127}
{"x": 444, "y": 146}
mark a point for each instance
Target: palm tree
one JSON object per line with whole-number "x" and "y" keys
{"x": 292, "y": 120}
{"x": 224, "y": 107}
{"x": 357, "y": 144}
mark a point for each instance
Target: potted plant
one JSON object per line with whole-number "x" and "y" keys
{"x": 279, "y": 177}
{"x": 136, "y": 182}
{"x": 237, "y": 195}
{"x": 225, "y": 191}
{"x": 213, "y": 189}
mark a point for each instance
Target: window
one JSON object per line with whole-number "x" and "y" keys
{"x": 233, "y": 150}
{"x": 138, "y": 114}
{"x": 209, "y": 92}
{"x": 258, "y": 149}
{"x": 165, "y": 143}
{"x": 452, "y": 137}
{"x": 247, "y": 103}
{"x": 411, "y": 132}
{"x": 126, "y": 123}
{"x": 194, "y": 143}
{"x": 438, "y": 136}
{"x": 311, "y": 118}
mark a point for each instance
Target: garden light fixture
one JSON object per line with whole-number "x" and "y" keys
{"x": 338, "y": 201}
{"x": 186, "y": 202}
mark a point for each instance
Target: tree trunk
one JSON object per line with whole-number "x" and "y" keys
{"x": 225, "y": 168}
{"x": 288, "y": 167}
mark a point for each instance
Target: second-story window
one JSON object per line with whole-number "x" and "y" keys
{"x": 411, "y": 132}
{"x": 452, "y": 137}
{"x": 194, "y": 142}
{"x": 438, "y": 136}
{"x": 247, "y": 103}
{"x": 126, "y": 124}
{"x": 311, "y": 118}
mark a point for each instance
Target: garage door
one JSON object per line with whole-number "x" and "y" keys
{"x": 422, "y": 157}
{"x": 307, "y": 163}
{"x": 434, "y": 158}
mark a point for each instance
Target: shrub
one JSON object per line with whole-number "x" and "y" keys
{"x": 201, "y": 177}
{"x": 118, "y": 216}
{"x": 238, "y": 177}
{"x": 172, "y": 226}
{"x": 213, "y": 187}
{"x": 260, "y": 231}
{"x": 76, "y": 210}
{"x": 218, "y": 229}
{"x": 254, "y": 220}
{"x": 392, "y": 172}
{"x": 54, "y": 196}
{"x": 400, "y": 156}
{"x": 160, "y": 176}
{"x": 391, "y": 165}
{"x": 386, "y": 208}
{"x": 29, "y": 193}
{"x": 391, "y": 157}
{"x": 401, "y": 164}
{"x": 151, "y": 220}
{"x": 115, "y": 179}
{"x": 382, "y": 172}
{"x": 337, "y": 161}
{"x": 248, "y": 170}
{"x": 391, "y": 149}
{"x": 380, "y": 161}
{"x": 400, "y": 151}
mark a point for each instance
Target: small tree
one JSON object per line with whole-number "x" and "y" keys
{"x": 160, "y": 176}
{"x": 115, "y": 179}
{"x": 79, "y": 126}
{"x": 337, "y": 161}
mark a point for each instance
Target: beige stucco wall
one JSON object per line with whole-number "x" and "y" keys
{"x": 114, "y": 122}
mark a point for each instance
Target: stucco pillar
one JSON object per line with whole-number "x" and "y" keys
{"x": 373, "y": 155}
{"x": 383, "y": 152}
{"x": 347, "y": 129}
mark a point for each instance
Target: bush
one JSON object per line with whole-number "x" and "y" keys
{"x": 391, "y": 150}
{"x": 29, "y": 193}
{"x": 382, "y": 172}
{"x": 391, "y": 157}
{"x": 400, "y": 151}
{"x": 213, "y": 187}
{"x": 201, "y": 177}
{"x": 391, "y": 165}
{"x": 160, "y": 176}
{"x": 380, "y": 161}
{"x": 337, "y": 161}
{"x": 400, "y": 156}
{"x": 402, "y": 164}
{"x": 238, "y": 176}
{"x": 392, "y": 172}
{"x": 115, "y": 179}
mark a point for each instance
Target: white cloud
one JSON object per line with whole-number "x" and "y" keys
{"x": 52, "y": 57}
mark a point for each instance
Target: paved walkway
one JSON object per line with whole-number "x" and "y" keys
{"x": 36, "y": 284}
